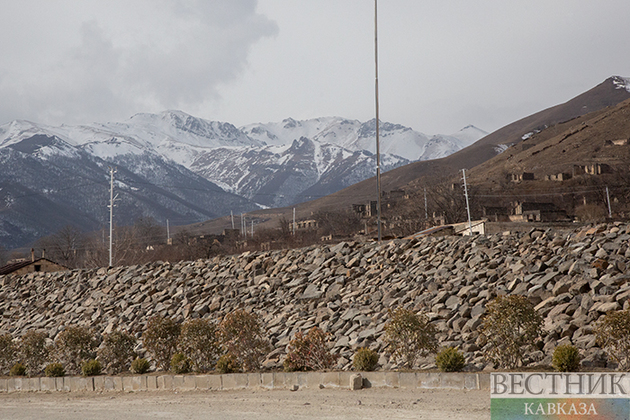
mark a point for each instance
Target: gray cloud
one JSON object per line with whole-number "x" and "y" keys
{"x": 158, "y": 55}
{"x": 443, "y": 65}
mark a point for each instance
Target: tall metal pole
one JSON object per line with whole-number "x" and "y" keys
{"x": 467, "y": 205}
{"x": 293, "y": 233}
{"x": 378, "y": 148}
{"x": 426, "y": 211}
{"x": 608, "y": 199}
{"x": 111, "y": 213}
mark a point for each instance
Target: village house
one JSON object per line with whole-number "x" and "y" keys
{"x": 25, "y": 266}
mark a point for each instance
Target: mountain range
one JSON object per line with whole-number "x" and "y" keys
{"x": 494, "y": 148}
{"x": 173, "y": 166}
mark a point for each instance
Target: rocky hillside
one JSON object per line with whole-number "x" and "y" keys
{"x": 573, "y": 277}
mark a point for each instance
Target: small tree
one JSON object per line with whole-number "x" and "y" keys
{"x": 75, "y": 345}
{"x": 8, "y": 353}
{"x": 117, "y": 351}
{"x": 511, "y": 325}
{"x": 198, "y": 342}
{"x": 160, "y": 339}
{"x": 309, "y": 352}
{"x": 408, "y": 336}
{"x": 241, "y": 336}
{"x": 612, "y": 333}
{"x": 33, "y": 351}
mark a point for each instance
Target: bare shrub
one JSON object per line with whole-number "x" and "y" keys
{"x": 160, "y": 339}
{"x": 33, "y": 351}
{"x": 511, "y": 326}
{"x": 612, "y": 333}
{"x": 309, "y": 352}
{"x": 591, "y": 213}
{"x": 408, "y": 336}
{"x": 8, "y": 353}
{"x": 241, "y": 335}
{"x": 198, "y": 341}
{"x": 75, "y": 345}
{"x": 117, "y": 351}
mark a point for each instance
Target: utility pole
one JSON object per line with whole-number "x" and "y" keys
{"x": 293, "y": 221}
{"x": 232, "y": 217}
{"x": 378, "y": 148}
{"x": 252, "y": 228}
{"x": 467, "y": 205}
{"x": 111, "y": 212}
{"x": 426, "y": 211}
{"x": 608, "y": 199}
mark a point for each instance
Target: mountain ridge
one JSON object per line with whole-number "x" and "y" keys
{"x": 232, "y": 171}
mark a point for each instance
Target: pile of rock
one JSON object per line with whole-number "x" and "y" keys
{"x": 573, "y": 277}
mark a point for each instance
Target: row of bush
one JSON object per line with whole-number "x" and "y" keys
{"x": 199, "y": 344}
{"x": 511, "y": 326}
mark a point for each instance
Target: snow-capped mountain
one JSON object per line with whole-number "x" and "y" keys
{"x": 176, "y": 166}
{"x": 354, "y": 135}
{"x": 279, "y": 175}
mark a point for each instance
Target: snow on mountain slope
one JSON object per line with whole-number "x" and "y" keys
{"x": 172, "y": 134}
{"x": 469, "y": 135}
{"x": 279, "y": 175}
{"x": 31, "y": 138}
{"x": 353, "y": 135}
{"x": 274, "y": 164}
{"x": 284, "y": 132}
{"x": 621, "y": 82}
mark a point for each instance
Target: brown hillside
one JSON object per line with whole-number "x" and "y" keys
{"x": 597, "y": 140}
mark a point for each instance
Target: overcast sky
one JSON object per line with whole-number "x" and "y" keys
{"x": 442, "y": 64}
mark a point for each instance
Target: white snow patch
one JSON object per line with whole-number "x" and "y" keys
{"x": 622, "y": 82}
{"x": 500, "y": 148}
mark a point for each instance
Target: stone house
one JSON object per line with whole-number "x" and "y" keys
{"x": 558, "y": 177}
{"x": 591, "y": 169}
{"x": 536, "y": 212}
{"x": 32, "y": 266}
{"x": 522, "y": 176}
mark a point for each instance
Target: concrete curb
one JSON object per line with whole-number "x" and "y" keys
{"x": 264, "y": 380}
